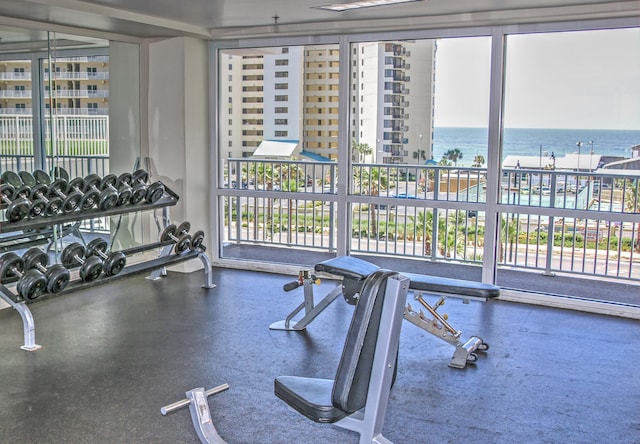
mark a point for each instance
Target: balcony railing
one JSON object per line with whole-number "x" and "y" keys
{"x": 549, "y": 221}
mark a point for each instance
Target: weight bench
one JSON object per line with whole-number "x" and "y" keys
{"x": 356, "y": 399}
{"x": 354, "y": 271}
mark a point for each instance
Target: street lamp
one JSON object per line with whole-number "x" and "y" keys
{"x": 420, "y": 148}
{"x": 579, "y": 145}
{"x": 591, "y": 155}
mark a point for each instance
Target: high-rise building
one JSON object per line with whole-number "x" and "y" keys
{"x": 392, "y": 99}
{"x": 81, "y": 86}
{"x": 291, "y": 94}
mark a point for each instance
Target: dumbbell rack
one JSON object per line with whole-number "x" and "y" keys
{"x": 30, "y": 232}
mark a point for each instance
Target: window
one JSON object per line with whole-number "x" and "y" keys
{"x": 281, "y": 98}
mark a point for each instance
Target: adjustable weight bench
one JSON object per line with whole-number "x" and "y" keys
{"x": 354, "y": 271}
{"x": 357, "y": 398}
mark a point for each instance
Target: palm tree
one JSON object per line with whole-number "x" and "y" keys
{"x": 292, "y": 186}
{"x": 423, "y": 224}
{"x": 362, "y": 150}
{"x": 632, "y": 204}
{"x": 453, "y": 155}
{"x": 478, "y": 161}
{"x": 371, "y": 180}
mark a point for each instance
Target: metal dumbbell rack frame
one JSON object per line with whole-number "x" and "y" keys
{"x": 30, "y": 232}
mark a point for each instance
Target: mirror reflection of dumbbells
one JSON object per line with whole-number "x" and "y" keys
{"x": 31, "y": 283}
{"x": 18, "y": 207}
{"x": 113, "y": 262}
{"x": 73, "y": 255}
{"x": 181, "y": 237}
{"x": 141, "y": 189}
{"x": 57, "y": 276}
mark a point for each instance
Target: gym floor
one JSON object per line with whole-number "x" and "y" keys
{"x": 113, "y": 355}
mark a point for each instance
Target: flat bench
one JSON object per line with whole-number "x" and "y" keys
{"x": 354, "y": 273}
{"x": 350, "y": 267}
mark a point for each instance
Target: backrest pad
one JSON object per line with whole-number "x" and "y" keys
{"x": 354, "y": 370}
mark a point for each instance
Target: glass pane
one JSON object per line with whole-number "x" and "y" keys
{"x": 279, "y": 134}
{"x": 572, "y": 129}
{"x": 419, "y": 129}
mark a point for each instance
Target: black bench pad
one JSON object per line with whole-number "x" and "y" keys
{"x": 358, "y": 269}
{"x": 347, "y": 266}
{"x": 309, "y": 396}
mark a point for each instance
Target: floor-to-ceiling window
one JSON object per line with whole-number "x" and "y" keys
{"x": 443, "y": 147}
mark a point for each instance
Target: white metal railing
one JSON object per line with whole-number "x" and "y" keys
{"x": 75, "y": 136}
{"x": 552, "y": 221}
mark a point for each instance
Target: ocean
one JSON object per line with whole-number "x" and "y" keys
{"x": 527, "y": 142}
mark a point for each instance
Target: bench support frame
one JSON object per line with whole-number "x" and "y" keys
{"x": 438, "y": 326}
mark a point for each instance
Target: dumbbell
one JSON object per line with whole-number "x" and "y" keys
{"x": 71, "y": 201}
{"x": 27, "y": 178}
{"x": 196, "y": 240}
{"x": 59, "y": 173}
{"x": 107, "y": 198}
{"x": 90, "y": 267}
{"x": 42, "y": 176}
{"x": 37, "y": 208}
{"x": 17, "y": 208}
{"x": 123, "y": 182}
{"x": 31, "y": 283}
{"x": 113, "y": 263}
{"x": 171, "y": 233}
{"x": 89, "y": 199}
{"x": 52, "y": 205}
{"x": 124, "y": 192}
{"x": 154, "y": 191}
{"x": 57, "y": 275}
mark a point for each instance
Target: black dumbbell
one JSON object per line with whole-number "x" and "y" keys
{"x": 113, "y": 263}
{"x": 196, "y": 240}
{"x": 31, "y": 283}
{"x": 154, "y": 191}
{"x": 71, "y": 201}
{"x": 23, "y": 181}
{"x": 41, "y": 176}
{"x": 124, "y": 192}
{"x": 107, "y": 198}
{"x": 123, "y": 183}
{"x": 52, "y": 205}
{"x": 179, "y": 235}
{"x": 59, "y": 173}
{"x": 36, "y": 208}
{"x": 27, "y": 178}
{"x": 57, "y": 276}
{"x": 17, "y": 208}
{"x": 89, "y": 199}
{"x": 90, "y": 267}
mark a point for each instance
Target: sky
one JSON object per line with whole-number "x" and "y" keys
{"x": 588, "y": 79}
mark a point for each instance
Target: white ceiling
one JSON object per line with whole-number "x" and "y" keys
{"x": 225, "y": 19}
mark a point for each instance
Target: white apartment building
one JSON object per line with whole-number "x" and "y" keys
{"x": 392, "y": 111}
{"x": 81, "y": 86}
{"x": 392, "y": 101}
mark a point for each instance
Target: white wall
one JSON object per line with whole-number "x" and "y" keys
{"x": 178, "y": 134}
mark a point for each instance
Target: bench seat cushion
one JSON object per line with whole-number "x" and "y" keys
{"x": 309, "y": 396}
{"x": 348, "y": 267}
{"x": 357, "y": 269}
{"x": 454, "y": 287}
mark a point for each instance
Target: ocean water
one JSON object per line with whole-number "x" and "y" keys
{"x": 527, "y": 142}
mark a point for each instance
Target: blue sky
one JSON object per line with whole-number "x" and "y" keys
{"x": 588, "y": 79}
